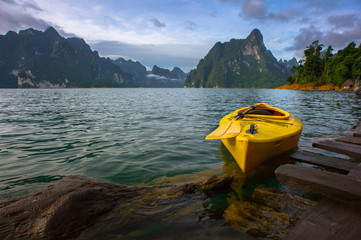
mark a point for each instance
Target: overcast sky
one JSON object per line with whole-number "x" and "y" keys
{"x": 181, "y": 32}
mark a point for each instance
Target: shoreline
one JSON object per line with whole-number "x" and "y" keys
{"x": 311, "y": 86}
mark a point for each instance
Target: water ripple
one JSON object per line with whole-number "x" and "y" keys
{"x": 137, "y": 135}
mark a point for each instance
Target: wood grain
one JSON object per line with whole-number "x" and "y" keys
{"x": 338, "y": 147}
{"x": 324, "y": 161}
{"x": 331, "y": 185}
{"x": 352, "y": 140}
{"x": 329, "y": 220}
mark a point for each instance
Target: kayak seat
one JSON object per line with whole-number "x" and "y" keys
{"x": 260, "y": 112}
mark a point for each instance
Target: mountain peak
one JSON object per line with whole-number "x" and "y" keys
{"x": 29, "y": 31}
{"x": 256, "y": 36}
{"x": 160, "y": 71}
{"x": 238, "y": 63}
{"x": 257, "y": 33}
{"x": 51, "y": 33}
{"x": 51, "y": 30}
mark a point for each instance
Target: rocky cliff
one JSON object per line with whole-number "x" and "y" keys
{"x": 239, "y": 63}
{"x": 158, "y": 77}
{"x": 35, "y": 59}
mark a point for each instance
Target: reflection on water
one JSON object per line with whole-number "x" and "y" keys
{"x": 256, "y": 203}
{"x": 261, "y": 175}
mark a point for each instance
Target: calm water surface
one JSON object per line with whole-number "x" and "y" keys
{"x": 132, "y": 136}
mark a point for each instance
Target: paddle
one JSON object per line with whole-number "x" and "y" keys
{"x": 230, "y": 129}
{"x": 240, "y": 115}
{"x": 227, "y": 130}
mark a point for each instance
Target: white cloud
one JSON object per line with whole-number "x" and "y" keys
{"x": 276, "y": 40}
{"x": 15, "y": 16}
{"x": 187, "y": 29}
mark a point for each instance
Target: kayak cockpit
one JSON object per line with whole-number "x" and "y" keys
{"x": 263, "y": 110}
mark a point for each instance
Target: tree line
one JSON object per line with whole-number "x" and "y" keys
{"x": 322, "y": 66}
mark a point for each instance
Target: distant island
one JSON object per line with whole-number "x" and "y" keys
{"x": 323, "y": 70}
{"x": 157, "y": 77}
{"x": 240, "y": 63}
{"x": 35, "y": 59}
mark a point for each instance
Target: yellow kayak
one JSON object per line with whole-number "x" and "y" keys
{"x": 257, "y": 133}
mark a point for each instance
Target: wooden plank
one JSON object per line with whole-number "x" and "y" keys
{"x": 329, "y": 220}
{"x": 329, "y": 184}
{"x": 352, "y": 140}
{"x": 358, "y": 134}
{"x": 343, "y": 148}
{"x": 323, "y": 161}
{"x": 356, "y": 172}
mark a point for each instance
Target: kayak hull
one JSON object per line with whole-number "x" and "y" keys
{"x": 274, "y": 135}
{"x": 250, "y": 154}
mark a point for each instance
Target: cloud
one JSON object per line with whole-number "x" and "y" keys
{"x": 254, "y": 9}
{"x": 258, "y": 10}
{"x": 287, "y": 14}
{"x": 276, "y": 40}
{"x": 156, "y": 76}
{"x": 231, "y": 1}
{"x": 340, "y": 40}
{"x": 320, "y": 5}
{"x": 337, "y": 38}
{"x": 15, "y": 16}
{"x": 157, "y": 23}
{"x": 30, "y": 5}
{"x": 343, "y": 21}
{"x": 304, "y": 38}
{"x": 213, "y": 14}
{"x": 190, "y": 25}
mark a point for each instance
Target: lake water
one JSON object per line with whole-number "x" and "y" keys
{"x": 134, "y": 136}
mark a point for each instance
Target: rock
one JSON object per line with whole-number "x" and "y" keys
{"x": 80, "y": 208}
{"x": 217, "y": 182}
{"x": 59, "y": 211}
{"x": 270, "y": 214}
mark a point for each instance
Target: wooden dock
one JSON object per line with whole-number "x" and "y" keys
{"x": 338, "y": 215}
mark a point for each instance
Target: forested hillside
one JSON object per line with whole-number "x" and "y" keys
{"x": 322, "y": 66}
{"x": 239, "y": 63}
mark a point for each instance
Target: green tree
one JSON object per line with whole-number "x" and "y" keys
{"x": 356, "y": 68}
{"x": 327, "y": 67}
{"x": 341, "y": 73}
{"x": 313, "y": 64}
{"x": 326, "y": 60}
{"x": 290, "y": 79}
